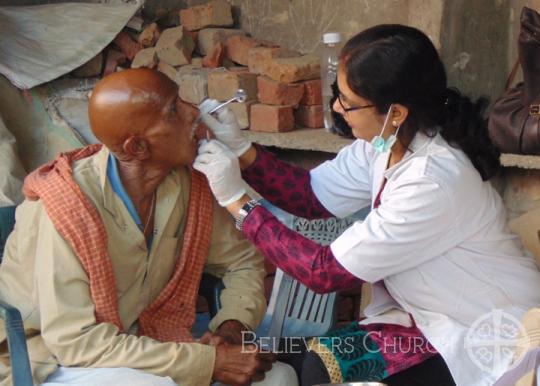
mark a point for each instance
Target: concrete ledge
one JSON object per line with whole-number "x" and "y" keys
{"x": 301, "y": 139}
{"x": 520, "y": 161}
{"x": 320, "y": 140}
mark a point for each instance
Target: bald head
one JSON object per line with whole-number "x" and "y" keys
{"x": 127, "y": 103}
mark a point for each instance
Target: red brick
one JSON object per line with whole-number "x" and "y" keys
{"x": 238, "y": 47}
{"x": 290, "y": 70}
{"x": 277, "y": 93}
{"x": 114, "y": 59}
{"x": 150, "y": 35}
{"x": 238, "y": 69}
{"x": 312, "y": 93}
{"x": 145, "y": 58}
{"x": 168, "y": 70}
{"x": 242, "y": 111}
{"x": 192, "y": 85}
{"x": 272, "y": 119}
{"x": 127, "y": 45}
{"x": 222, "y": 84}
{"x": 208, "y": 37}
{"x": 215, "y": 13}
{"x": 214, "y": 59}
{"x": 175, "y": 46}
{"x": 309, "y": 116}
{"x": 260, "y": 58}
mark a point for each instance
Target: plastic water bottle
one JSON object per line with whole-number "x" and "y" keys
{"x": 329, "y": 64}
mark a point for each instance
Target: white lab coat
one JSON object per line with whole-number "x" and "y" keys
{"x": 439, "y": 242}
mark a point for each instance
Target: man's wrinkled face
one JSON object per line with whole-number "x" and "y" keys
{"x": 172, "y": 141}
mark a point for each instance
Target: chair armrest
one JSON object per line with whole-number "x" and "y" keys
{"x": 20, "y": 364}
{"x": 7, "y": 221}
{"x": 210, "y": 288}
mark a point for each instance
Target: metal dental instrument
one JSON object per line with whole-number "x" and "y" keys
{"x": 239, "y": 96}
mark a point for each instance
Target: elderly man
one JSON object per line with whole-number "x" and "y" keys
{"x": 109, "y": 247}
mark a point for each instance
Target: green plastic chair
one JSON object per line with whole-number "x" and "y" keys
{"x": 18, "y": 352}
{"x": 293, "y": 309}
{"x": 7, "y": 221}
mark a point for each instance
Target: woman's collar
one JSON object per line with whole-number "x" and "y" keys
{"x": 415, "y": 148}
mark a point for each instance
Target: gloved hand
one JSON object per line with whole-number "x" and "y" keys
{"x": 222, "y": 170}
{"x": 225, "y": 127}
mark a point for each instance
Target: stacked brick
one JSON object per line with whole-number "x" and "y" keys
{"x": 208, "y": 58}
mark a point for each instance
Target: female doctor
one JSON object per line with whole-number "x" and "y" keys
{"x": 435, "y": 246}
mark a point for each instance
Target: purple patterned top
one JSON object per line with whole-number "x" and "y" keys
{"x": 313, "y": 265}
{"x": 288, "y": 187}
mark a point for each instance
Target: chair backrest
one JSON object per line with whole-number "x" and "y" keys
{"x": 7, "y": 221}
{"x": 293, "y": 309}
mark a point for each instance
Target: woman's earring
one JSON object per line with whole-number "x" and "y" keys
{"x": 395, "y": 123}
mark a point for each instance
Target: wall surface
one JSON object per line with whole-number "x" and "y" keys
{"x": 474, "y": 46}
{"x": 467, "y": 33}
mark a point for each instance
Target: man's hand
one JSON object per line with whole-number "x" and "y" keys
{"x": 229, "y": 332}
{"x": 238, "y": 365}
{"x": 222, "y": 170}
{"x": 225, "y": 127}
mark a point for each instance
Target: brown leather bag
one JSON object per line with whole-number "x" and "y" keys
{"x": 514, "y": 121}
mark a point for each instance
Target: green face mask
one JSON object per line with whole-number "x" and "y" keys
{"x": 380, "y": 144}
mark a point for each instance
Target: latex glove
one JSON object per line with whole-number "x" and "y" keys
{"x": 222, "y": 170}
{"x": 225, "y": 127}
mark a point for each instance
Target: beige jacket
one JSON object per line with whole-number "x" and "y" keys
{"x": 43, "y": 277}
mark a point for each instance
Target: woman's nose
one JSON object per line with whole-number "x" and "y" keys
{"x": 336, "y": 106}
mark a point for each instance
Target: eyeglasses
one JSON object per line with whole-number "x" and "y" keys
{"x": 354, "y": 108}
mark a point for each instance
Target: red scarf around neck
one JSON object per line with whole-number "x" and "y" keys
{"x": 171, "y": 315}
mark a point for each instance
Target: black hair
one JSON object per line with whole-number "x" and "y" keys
{"x": 340, "y": 125}
{"x": 393, "y": 63}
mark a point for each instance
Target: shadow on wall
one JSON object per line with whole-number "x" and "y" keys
{"x": 473, "y": 44}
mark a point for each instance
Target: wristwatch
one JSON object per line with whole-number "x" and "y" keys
{"x": 244, "y": 211}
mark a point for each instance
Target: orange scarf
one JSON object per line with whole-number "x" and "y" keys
{"x": 171, "y": 315}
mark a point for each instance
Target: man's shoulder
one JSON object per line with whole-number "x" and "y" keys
{"x": 28, "y": 214}
{"x": 90, "y": 164}
{"x": 89, "y": 172}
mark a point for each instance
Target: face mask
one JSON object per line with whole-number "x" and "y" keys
{"x": 379, "y": 143}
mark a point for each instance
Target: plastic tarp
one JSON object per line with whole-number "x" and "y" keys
{"x": 11, "y": 169}
{"x": 42, "y": 42}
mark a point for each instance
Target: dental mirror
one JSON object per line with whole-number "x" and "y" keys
{"x": 239, "y": 96}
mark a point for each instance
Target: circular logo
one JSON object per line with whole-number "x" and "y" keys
{"x": 492, "y": 340}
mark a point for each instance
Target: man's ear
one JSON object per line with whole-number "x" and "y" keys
{"x": 137, "y": 148}
{"x": 399, "y": 113}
